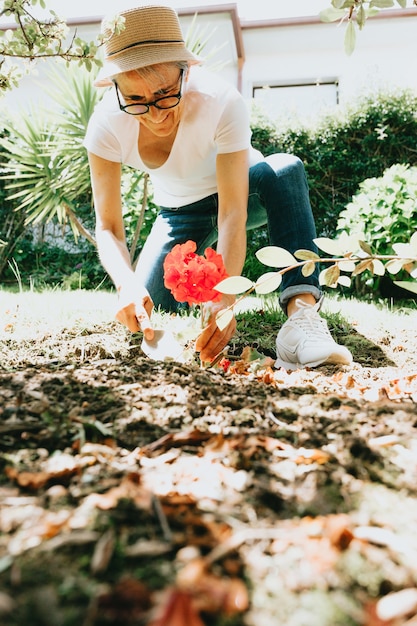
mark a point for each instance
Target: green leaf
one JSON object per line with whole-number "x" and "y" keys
{"x": 345, "y": 281}
{"x": 347, "y": 266}
{"x": 329, "y": 276}
{"x": 330, "y": 246}
{"x": 350, "y": 38}
{"x": 404, "y": 284}
{"x": 381, "y": 4}
{"x": 342, "y": 4}
{"x": 402, "y": 3}
{"x": 223, "y": 318}
{"x": 331, "y": 14}
{"x": 361, "y": 17}
{"x": 306, "y": 255}
{"x": 394, "y": 266}
{"x": 365, "y": 247}
{"x": 378, "y": 268}
{"x": 404, "y": 250}
{"x": 275, "y": 257}
{"x": 308, "y": 268}
{"x": 268, "y": 282}
{"x": 234, "y": 285}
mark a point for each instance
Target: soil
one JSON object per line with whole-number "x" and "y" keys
{"x": 138, "y": 492}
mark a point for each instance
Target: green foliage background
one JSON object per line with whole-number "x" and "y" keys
{"x": 383, "y": 212}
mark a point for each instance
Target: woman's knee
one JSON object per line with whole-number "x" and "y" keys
{"x": 282, "y": 160}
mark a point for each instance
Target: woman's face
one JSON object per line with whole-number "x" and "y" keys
{"x": 135, "y": 89}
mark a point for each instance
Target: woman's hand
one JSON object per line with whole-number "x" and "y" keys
{"x": 212, "y": 340}
{"x": 134, "y": 309}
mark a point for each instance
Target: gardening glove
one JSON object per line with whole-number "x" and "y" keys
{"x": 212, "y": 340}
{"x": 134, "y": 309}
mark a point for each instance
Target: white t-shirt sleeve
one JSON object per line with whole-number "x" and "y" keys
{"x": 112, "y": 135}
{"x": 233, "y": 131}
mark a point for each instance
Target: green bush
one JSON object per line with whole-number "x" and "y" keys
{"x": 343, "y": 148}
{"x": 42, "y": 264}
{"x": 383, "y": 212}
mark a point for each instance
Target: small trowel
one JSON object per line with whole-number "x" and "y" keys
{"x": 163, "y": 346}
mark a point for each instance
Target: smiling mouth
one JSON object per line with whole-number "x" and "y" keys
{"x": 160, "y": 121}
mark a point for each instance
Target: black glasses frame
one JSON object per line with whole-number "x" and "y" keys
{"x": 147, "y": 105}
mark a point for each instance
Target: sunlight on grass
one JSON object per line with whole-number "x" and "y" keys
{"x": 27, "y": 313}
{"x": 377, "y": 316}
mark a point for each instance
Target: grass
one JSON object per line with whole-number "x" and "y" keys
{"x": 28, "y": 313}
{"x": 29, "y": 316}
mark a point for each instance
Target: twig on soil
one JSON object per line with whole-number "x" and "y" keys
{"x": 162, "y": 518}
{"x": 240, "y": 537}
{"x": 269, "y": 414}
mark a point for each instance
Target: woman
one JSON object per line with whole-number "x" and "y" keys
{"x": 186, "y": 127}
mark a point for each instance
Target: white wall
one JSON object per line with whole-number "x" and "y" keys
{"x": 384, "y": 56}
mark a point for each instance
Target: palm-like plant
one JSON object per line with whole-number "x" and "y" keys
{"x": 46, "y": 170}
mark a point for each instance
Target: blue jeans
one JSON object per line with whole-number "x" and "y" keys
{"x": 278, "y": 198}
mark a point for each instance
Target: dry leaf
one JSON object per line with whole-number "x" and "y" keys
{"x": 211, "y": 593}
{"x": 178, "y": 611}
{"x": 56, "y": 467}
{"x": 397, "y": 604}
{"x": 103, "y": 552}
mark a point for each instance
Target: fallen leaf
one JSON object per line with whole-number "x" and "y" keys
{"x": 56, "y": 468}
{"x": 211, "y": 593}
{"x": 103, "y": 552}
{"x": 398, "y": 604}
{"x": 178, "y": 611}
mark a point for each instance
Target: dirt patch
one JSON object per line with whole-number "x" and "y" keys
{"x": 138, "y": 492}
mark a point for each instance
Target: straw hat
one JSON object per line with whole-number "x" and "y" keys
{"x": 152, "y": 34}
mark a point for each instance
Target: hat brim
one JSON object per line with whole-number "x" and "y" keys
{"x": 147, "y": 55}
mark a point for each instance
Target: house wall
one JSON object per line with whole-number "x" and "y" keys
{"x": 383, "y": 57}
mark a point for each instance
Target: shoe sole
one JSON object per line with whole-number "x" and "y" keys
{"x": 332, "y": 359}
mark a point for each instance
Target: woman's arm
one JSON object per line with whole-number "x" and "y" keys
{"x": 233, "y": 189}
{"x": 135, "y": 304}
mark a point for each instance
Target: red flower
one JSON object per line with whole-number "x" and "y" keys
{"x": 191, "y": 277}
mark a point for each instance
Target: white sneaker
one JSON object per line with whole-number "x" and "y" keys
{"x": 305, "y": 341}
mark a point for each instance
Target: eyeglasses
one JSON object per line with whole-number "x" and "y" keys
{"x": 166, "y": 102}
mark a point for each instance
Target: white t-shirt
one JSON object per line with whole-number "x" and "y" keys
{"x": 214, "y": 120}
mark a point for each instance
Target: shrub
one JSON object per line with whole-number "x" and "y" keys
{"x": 344, "y": 148}
{"x": 383, "y": 212}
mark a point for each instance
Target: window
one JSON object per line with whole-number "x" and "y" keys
{"x": 299, "y": 99}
